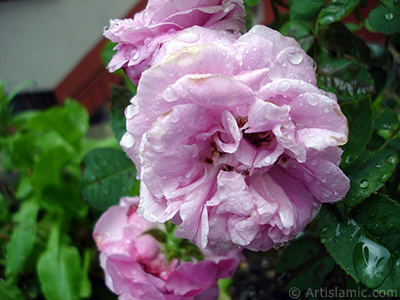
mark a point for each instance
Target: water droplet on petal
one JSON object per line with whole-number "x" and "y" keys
{"x": 284, "y": 63}
{"x": 247, "y": 51}
{"x": 254, "y": 48}
{"x": 188, "y": 37}
{"x": 295, "y": 58}
{"x": 313, "y": 100}
{"x": 175, "y": 115}
{"x": 147, "y": 41}
{"x": 135, "y": 54}
{"x": 170, "y": 95}
{"x": 127, "y": 140}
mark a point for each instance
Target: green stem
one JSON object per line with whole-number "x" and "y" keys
{"x": 387, "y": 141}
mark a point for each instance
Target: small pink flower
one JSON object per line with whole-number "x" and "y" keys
{"x": 233, "y": 140}
{"x": 139, "y": 38}
{"x": 136, "y": 267}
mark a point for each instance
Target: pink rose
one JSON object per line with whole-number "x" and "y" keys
{"x": 233, "y": 140}
{"x": 139, "y": 38}
{"x": 136, "y": 267}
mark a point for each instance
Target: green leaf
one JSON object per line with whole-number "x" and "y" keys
{"x": 304, "y": 10}
{"x": 360, "y": 118}
{"x": 336, "y": 11}
{"x": 371, "y": 239}
{"x": 71, "y": 121}
{"x": 158, "y": 234}
{"x": 23, "y": 150}
{"x": 304, "y": 264}
{"x": 9, "y": 291}
{"x": 386, "y": 120}
{"x": 300, "y": 32}
{"x": 59, "y": 269}
{"x": 120, "y": 99}
{"x": 371, "y": 176}
{"x": 23, "y": 237}
{"x": 47, "y": 171}
{"x": 250, "y": 3}
{"x": 108, "y": 175}
{"x": 385, "y": 19}
{"x": 338, "y": 39}
{"x": 347, "y": 79}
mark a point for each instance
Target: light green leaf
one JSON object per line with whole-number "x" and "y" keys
{"x": 59, "y": 269}
{"x": 9, "y": 291}
{"x": 71, "y": 121}
{"x": 360, "y": 119}
{"x": 108, "y": 176}
{"x": 23, "y": 237}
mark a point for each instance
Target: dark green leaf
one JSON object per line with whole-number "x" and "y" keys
{"x": 371, "y": 176}
{"x": 304, "y": 264}
{"x": 300, "y": 32}
{"x": 304, "y": 10}
{"x": 337, "y": 38}
{"x": 158, "y": 234}
{"x": 336, "y": 11}
{"x": 386, "y": 120}
{"x": 395, "y": 143}
{"x": 360, "y": 118}
{"x": 23, "y": 237}
{"x": 120, "y": 99}
{"x": 108, "y": 175}
{"x": 9, "y": 291}
{"x": 59, "y": 269}
{"x": 385, "y": 19}
{"x": 365, "y": 245}
{"x": 348, "y": 80}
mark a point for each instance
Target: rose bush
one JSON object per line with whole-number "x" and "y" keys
{"x": 139, "y": 38}
{"x": 233, "y": 140}
{"x": 137, "y": 268}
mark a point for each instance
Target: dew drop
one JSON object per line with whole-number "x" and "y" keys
{"x": 254, "y": 48}
{"x": 247, "y": 51}
{"x": 313, "y": 100}
{"x": 389, "y": 16}
{"x": 135, "y": 54}
{"x": 175, "y": 115}
{"x": 284, "y": 63}
{"x": 188, "y": 37}
{"x": 127, "y": 140}
{"x": 147, "y": 41}
{"x": 372, "y": 262}
{"x": 295, "y": 58}
{"x": 364, "y": 184}
{"x": 284, "y": 86}
{"x": 170, "y": 95}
